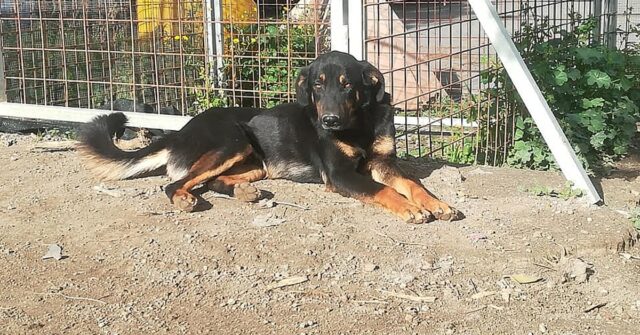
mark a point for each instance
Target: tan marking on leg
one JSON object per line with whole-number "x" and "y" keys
{"x": 384, "y": 145}
{"x": 391, "y": 200}
{"x": 416, "y": 193}
{"x": 349, "y": 150}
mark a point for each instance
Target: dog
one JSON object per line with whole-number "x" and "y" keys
{"x": 339, "y": 132}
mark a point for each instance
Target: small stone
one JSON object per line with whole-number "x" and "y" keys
{"x": 307, "y": 324}
{"x": 231, "y": 302}
{"x": 13, "y": 158}
{"x": 542, "y": 328}
{"x": 589, "y": 219}
{"x": 408, "y": 317}
{"x": 370, "y": 267}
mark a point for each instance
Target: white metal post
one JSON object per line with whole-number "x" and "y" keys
{"x": 355, "y": 27}
{"x": 533, "y": 98}
{"x": 339, "y": 27}
{"x": 3, "y": 82}
{"x": 215, "y": 11}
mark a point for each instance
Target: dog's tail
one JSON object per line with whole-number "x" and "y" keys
{"x": 110, "y": 162}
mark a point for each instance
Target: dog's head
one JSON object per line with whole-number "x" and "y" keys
{"x": 339, "y": 87}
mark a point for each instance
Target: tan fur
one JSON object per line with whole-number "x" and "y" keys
{"x": 286, "y": 169}
{"x": 384, "y": 145}
{"x": 349, "y": 150}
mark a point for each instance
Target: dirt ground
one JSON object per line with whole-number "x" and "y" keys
{"x": 517, "y": 264}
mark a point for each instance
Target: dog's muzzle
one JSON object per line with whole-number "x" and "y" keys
{"x": 331, "y": 122}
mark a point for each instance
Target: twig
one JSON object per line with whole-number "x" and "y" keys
{"x": 498, "y": 308}
{"x": 55, "y": 146}
{"x": 287, "y": 282}
{"x": 370, "y": 302}
{"x": 476, "y": 310}
{"x": 220, "y": 195}
{"x": 397, "y": 241}
{"x": 6, "y": 308}
{"x": 101, "y": 189}
{"x": 71, "y": 297}
{"x": 291, "y": 205}
{"x": 596, "y": 306}
{"x": 415, "y": 298}
{"x": 544, "y": 266}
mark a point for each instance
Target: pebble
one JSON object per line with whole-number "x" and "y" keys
{"x": 589, "y": 219}
{"x": 307, "y": 324}
{"x": 370, "y": 267}
{"x": 542, "y": 328}
{"x": 13, "y": 158}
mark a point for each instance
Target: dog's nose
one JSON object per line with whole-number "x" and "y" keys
{"x": 331, "y": 121}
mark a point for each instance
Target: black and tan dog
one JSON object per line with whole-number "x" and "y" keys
{"x": 340, "y": 132}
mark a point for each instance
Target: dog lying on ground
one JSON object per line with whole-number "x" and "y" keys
{"x": 339, "y": 132}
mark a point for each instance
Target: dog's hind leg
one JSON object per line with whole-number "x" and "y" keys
{"x": 210, "y": 165}
{"x": 236, "y": 181}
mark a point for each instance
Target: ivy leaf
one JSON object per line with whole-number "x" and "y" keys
{"x": 599, "y": 78}
{"x": 597, "y": 140}
{"x": 519, "y": 134}
{"x": 591, "y": 103}
{"x": 574, "y": 74}
{"x": 560, "y": 76}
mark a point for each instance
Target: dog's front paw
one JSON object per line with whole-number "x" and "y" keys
{"x": 442, "y": 211}
{"x": 413, "y": 214}
{"x": 184, "y": 201}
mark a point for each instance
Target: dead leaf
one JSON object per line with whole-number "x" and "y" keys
{"x": 287, "y": 282}
{"x": 481, "y": 295}
{"x": 266, "y": 203}
{"x": 415, "y": 298}
{"x": 102, "y": 189}
{"x": 55, "y": 251}
{"x": 268, "y": 220}
{"x": 525, "y": 279}
{"x": 577, "y": 269}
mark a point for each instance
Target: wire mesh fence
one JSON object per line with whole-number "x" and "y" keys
{"x": 178, "y": 56}
{"x": 437, "y": 59}
{"x": 183, "y": 56}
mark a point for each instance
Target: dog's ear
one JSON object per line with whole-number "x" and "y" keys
{"x": 372, "y": 77}
{"x": 303, "y": 95}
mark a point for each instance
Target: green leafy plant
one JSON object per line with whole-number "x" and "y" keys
{"x": 592, "y": 90}
{"x": 264, "y": 55}
{"x": 566, "y": 192}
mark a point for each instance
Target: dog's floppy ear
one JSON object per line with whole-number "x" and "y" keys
{"x": 372, "y": 77}
{"x": 303, "y": 95}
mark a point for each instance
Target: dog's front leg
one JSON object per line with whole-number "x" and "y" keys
{"x": 352, "y": 184}
{"x": 385, "y": 171}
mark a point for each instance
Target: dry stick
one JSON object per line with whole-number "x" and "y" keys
{"x": 71, "y": 297}
{"x": 55, "y": 146}
{"x": 397, "y": 241}
{"x": 224, "y": 196}
{"x": 476, "y": 310}
{"x": 409, "y": 297}
{"x": 596, "y": 306}
{"x": 370, "y": 302}
{"x": 544, "y": 266}
{"x": 292, "y": 205}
